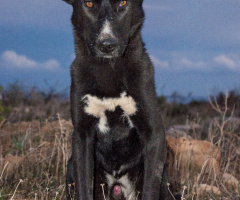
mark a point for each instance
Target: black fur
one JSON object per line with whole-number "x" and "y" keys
{"x": 105, "y": 67}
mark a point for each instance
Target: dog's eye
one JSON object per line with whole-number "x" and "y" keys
{"x": 123, "y": 3}
{"x": 89, "y": 4}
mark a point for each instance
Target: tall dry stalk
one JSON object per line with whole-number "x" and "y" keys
{"x": 221, "y": 124}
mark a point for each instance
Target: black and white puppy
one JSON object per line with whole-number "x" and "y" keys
{"x": 118, "y": 144}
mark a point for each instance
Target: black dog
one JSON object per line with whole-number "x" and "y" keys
{"x": 118, "y": 144}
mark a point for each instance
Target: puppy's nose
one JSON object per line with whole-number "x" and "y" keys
{"x": 107, "y": 45}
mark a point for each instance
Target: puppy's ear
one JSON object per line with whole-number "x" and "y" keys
{"x": 69, "y": 1}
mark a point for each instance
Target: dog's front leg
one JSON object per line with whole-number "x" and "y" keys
{"x": 82, "y": 143}
{"x": 154, "y": 153}
{"x": 148, "y": 122}
{"x": 83, "y": 164}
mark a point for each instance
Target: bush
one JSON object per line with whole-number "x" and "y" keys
{"x": 3, "y": 109}
{"x": 233, "y": 100}
{"x": 31, "y": 103}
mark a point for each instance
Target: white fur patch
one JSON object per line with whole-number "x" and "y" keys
{"x": 106, "y": 28}
{"x": 128, "y": 188}
{"x": 97, "y": 107}
{"x": 106, "y": 31}
{"x": 103, "y": 124}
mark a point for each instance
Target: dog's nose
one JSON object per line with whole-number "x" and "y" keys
{"x": 107, "y": 45}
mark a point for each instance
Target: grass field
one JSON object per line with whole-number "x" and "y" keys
{"x": 35, "y": 145}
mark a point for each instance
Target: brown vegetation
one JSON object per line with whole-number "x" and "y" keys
{"x": 37, "y": 154}
{"x": 35, "y": 144}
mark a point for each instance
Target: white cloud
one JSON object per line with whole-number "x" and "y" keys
{"x": 210, "y": 64}
{"x": 184, "y": 62}
{"x": 159, "y": 63}
{"x": 188, "y": 62}
{"x": 225, "y": 61}
{"x": 11, "y": 59}
{"x": 50, "y": 65}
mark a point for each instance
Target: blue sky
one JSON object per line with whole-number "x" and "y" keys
{"x": 194, "y": 45}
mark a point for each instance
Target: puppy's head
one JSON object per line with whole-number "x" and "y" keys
{"x": 106, "y": 26}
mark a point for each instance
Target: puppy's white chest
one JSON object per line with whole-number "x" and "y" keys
{"x": 98, "y": 106}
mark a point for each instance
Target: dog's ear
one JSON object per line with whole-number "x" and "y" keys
{"x": 69, "y": 1}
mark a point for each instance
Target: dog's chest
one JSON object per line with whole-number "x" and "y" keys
{"x": 99, "y": 107}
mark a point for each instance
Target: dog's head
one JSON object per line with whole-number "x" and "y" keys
{"x": 106, "y": 26}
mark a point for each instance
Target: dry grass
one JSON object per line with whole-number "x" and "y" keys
{"x": 40, "y": 150}
{"x": 43, "y": 150}
{"x": 209, "y": 182}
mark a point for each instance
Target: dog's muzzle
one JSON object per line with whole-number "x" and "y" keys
{"x": 107, "y": 46}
